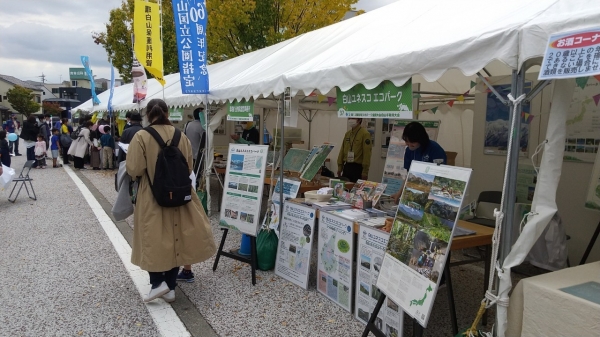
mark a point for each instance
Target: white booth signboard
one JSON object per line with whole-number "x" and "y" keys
{"x": 295, "y": 243}
{"x": 242, "y": 192}
{"x": 334, "y": 278}
{"x": 371, "y": 249}
{"x": 421, "y": 236}
{"x": 571, "y": 55}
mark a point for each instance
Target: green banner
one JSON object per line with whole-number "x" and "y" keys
{"x": 426, "y": 124}
{"x": 78, "y": 74}
{"x": 122, "y": 115}
{"x": 384, "y": 101}
{"x": 176, "y": 114}
{"x": 240, "y": 111}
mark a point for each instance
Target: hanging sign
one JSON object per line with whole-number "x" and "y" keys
{"x": 384, "y": 101}
{"x": 190, "y": 30}
{"x": 147, "y": 44}
{"x": 176, "y": 114}
{"x": 240, "y": 111}
{"x": 122, "y": 116}
{"x": 573, "y": 54}
{"x": 371, "y": 248}
{"x": 421, "y": 236}
{"x": 295, "y": 244}
{"x": 244, "y": 181}
{"x": 335, "y": 259}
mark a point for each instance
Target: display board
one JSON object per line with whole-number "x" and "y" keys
{"x": 290, "y": 191}
{"x": 371, "y": 249}
{"x": 384, "y": 101}
{"x": 240, "y": 111}
{"x": 583, "y": 123}
{"x": 497, "y": 128}
{"x": 316, "y": 161}
{"x": 394, "y": 173}
{"x": 335, "y": 259}
{"x": 571, "y": 55}
{"x": 421, "y": 236}
{"x": 243, "y": 188}
{"x": 295, "y": 243}
{"x": 592, "y": 201}
{"x": 526, "y": 181}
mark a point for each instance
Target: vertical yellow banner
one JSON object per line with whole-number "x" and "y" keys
{"x": 148, "y": 45}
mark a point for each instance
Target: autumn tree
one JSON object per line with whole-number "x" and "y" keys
{"x": 235, "y": 27}
{"x": 21, "y": 99}
{"x": 52, "y": 108}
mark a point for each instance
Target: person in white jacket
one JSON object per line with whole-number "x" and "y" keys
{"x": 80, "y": 146}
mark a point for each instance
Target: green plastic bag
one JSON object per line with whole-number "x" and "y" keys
{"x": 203, "y": 197}
{"x": 266, "y": 249}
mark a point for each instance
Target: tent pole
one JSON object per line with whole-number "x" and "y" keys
{"x": 509, "y": 199}
{"x": 283, "y": 105}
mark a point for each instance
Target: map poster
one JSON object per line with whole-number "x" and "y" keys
{"x": 583, "y": 123}
{"x": 295, "y": 243}
{"x": 335, "y": 262}
{"x": 290, "y": 190}
{"x": 243, "y": 188}
{"x": 592, "y": 201}
{"x": 421, "y": 236}
{"x": 497, "y": 128}
{"x": 371, "y": 248}
{"x": 526, "y": 181}
{"x": 394, "y": 173}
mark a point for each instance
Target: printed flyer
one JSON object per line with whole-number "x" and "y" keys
{"x": 371, "y": 249}
{"x": 421, "y": 236}
{"x": 583, "y": 123}
{"x": 394, "y": 173}
{"x": 592, "y": 201}
{"x": 295, "y": 244}
{"x": 526, "y": 181}
{"x": 243, "y": 188}
{"x": 290, "y": 190}
{"x": 335, "y": 263}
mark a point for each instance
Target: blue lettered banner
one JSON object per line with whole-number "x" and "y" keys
{"x": 190, "y": 29}
{"x": 85, "y": 60}
{"x": 112, "y": 90}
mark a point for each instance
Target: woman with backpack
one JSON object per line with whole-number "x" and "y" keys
{"x": 80, "y": 146}
{"x": 29, "y": 134}
{"x": 178, "y": 232}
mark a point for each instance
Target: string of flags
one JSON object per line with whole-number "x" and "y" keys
{"x": 459, "y": 98}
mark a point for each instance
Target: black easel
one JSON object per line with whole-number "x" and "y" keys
{"x": 588, "y": 250}
{"x": 251, "y": 260}
{"x": 417, "y": 328}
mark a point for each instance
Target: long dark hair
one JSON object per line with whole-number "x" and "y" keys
{"x": 414, "y": 132}
{"x": 158, "y": 112}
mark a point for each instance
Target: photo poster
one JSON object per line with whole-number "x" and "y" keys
{"x": 290, "y": 191}
{"x": 335, "y": 259}
{"x": 394, "y": 173}
{"x": 583, "y": 123}
{"x": 592, "y": 201}
{"x": 371, "y": 249}
{"x": 526, "y": 181}
{"x": 316, "y": 162}
{"x": 421, "y": 236}
{"x": 497, "y": 126}
{"x": 295, "y": 244}
{"x": 243, "y": 188}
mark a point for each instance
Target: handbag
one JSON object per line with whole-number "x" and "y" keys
{"x": 65, "y": 140}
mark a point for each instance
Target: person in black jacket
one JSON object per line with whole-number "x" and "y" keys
{"x": 129, "y": 132}
{"x": 29, "y": 135}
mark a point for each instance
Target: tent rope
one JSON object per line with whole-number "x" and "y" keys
{"x": 490, "y": 297}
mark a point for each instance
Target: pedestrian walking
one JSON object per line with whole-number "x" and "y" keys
{"x": 107, "y": 142}
{"x": 189, "y": 238}
{"x": 40, "y": 152}
{"x": 12, "y": 126}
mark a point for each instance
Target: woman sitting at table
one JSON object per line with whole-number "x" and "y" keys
{"x": 419, "y": 147}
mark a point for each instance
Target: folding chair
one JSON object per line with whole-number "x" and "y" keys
{"x": 23, "y": 179}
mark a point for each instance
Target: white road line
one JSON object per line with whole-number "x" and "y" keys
{"x": 165, "y": 318}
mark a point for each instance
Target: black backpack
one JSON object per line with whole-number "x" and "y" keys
{"x": 172, "y": 184}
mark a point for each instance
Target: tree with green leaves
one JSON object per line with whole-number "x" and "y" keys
{"x": 21, "y": 99}
{"x": 235, "y": 27}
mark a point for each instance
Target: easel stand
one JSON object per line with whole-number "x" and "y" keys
{"x": 251, "y": 260}
{"x": 588, "y": 250}
{"x": 417, "y": 328}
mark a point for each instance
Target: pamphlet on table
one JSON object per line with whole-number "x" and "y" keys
{"x": 290, "y": 191}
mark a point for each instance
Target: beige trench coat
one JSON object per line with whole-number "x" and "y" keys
{"x": 80, "y": 146}
{"x": 165, "y": 237}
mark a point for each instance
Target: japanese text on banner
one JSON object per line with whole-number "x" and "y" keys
{"x": 574, "y": 54}
{"x": 147, "y": 42}
{"x": 190, "y": 29}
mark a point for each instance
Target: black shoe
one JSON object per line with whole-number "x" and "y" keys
{"x": 18, "y": 154}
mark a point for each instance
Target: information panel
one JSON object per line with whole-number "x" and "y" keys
{"x": 371, "y": 249}
{"x": 334, "y": 278}
{"x": 244, "y": 181}
{"x": 295, "y": 243}
{"x": 421, "y": 236}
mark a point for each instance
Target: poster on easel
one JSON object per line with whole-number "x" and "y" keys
{"x": 335, "y": 259}
{"x": 592, "y": 201}
{"x": 394, "y": 173}
{"x": 290, "y": 191}
{"x": 295, "y": 244}
{"x": 421, "y": 236}
{"x": 371, "y": 249}
{"x": 243, "y": 188}
{"x": 583, "y": 122}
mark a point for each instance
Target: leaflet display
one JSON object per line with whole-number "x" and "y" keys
{"x": 421, "y": 236}
{"x": 244, "y": 181}
{"x": 334, "y": 278}
{"x": 290, "y": 190}
{"x": 371, "y": 249}
{"x": 295, "y": 244}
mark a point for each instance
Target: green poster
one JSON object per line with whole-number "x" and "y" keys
{"x": 122, "y": 115}
{"x": 240, "y": 111}
{"x": 526, "y": 180}
{"x": 384, "y": 101}
{"x": 176, "y": 114}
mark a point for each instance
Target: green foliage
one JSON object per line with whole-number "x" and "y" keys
{"x": 434, "y": 227}
{"x": 21, "y": 100}
{"x": 52, "y": 108}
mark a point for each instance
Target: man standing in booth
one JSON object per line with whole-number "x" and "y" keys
{"x": 249, "y": 136}
{"x": 355, "y": 155}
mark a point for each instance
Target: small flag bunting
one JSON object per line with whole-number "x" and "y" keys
{"x": 582, "y": 81}
{"x": 473, "y": 84}
{"x": 460, "y": 98}
{"x": 596, "y": 99}
{"x": 320, "y": 98}
{"x": 417, "y": 96}
{"x": 434, "y": 109}
{"x": 451, "y": 103}
{"x": 330, "y": 100}
{"x": 597, "y": 77}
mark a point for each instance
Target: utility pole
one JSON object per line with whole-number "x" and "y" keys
{"x": 43, "y": 77}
